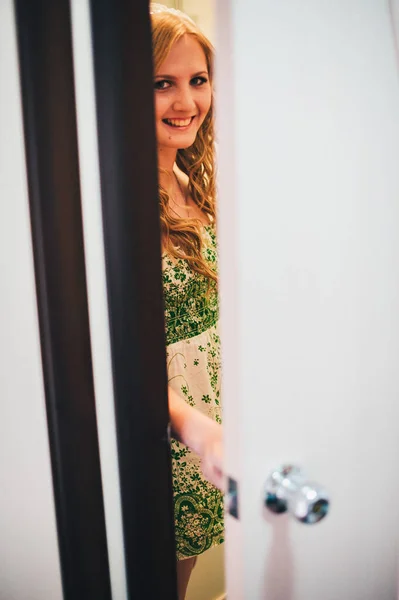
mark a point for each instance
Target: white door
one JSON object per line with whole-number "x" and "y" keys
{"x": 308, "y": 118}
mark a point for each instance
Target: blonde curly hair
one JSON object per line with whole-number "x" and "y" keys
{"x": 182, "y": 237}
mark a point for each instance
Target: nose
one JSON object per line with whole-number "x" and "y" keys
{"x": 184, "y": 100}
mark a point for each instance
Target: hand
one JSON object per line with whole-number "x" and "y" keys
{"x": 200, "y": 433}
{"x": 212, "y": 454}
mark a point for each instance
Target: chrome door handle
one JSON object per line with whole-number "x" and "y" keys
{"x": 287, "y": 489}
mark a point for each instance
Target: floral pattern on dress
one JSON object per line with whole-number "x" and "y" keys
{"x": 190, "y": 300}
{"x": 194, "y": 370}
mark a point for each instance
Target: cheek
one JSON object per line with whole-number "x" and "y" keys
{"x": 205, "y": 105}
{"x": 206, "y": 102}
{"x": 160, "y": 106}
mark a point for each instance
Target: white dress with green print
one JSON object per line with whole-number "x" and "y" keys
{"x": 193, "y": 359}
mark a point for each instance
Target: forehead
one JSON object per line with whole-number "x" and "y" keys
{"x": 185, "y": 57}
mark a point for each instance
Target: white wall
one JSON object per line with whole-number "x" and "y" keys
{"x": 29, "y": 561}
{"x": 201, "y": 11}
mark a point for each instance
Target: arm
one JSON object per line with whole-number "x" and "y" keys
{"x": 200, "y": 434}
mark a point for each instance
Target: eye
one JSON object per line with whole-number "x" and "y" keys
{"x": 197, "y": 81}
{"x": 162, "y": 84}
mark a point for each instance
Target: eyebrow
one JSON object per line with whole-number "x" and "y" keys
{"x": 173, "y": 77}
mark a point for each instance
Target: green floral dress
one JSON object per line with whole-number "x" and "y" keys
{"x": 193, "y": 360}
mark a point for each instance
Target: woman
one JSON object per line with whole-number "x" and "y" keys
{"x": 183, "y": 68}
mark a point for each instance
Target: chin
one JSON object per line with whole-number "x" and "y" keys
{"x": 179, "y": 144}
{"x": 187, "y": 145}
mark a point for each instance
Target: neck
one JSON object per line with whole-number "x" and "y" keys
{"x": 166, "y": 160}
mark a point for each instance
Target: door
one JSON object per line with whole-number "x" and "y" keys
{"x": 27, "y": 509}
{"x": 118, "y": 174}
{"x": 53, "y": 539}
{"x": 309, "y": 242}
{"x": 79, "y": 341}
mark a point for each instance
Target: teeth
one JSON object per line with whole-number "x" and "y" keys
{"x": 179, "y": 122}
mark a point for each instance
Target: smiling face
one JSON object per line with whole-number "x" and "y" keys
{"x": 183, "y": 94}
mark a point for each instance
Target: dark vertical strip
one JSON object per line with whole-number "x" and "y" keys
{"x": 45, "y": 55}
{"x": 128, "y": 167}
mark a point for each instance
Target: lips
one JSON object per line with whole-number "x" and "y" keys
{"x": 179, "y": 123}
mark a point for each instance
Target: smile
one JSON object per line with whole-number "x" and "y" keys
{"x": 179, "y": 123}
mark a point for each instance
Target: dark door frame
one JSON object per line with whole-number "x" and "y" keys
{"x": 48, "y": 106}
{"x": 122, "y": 57}
{"x": 122, "y": 47}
